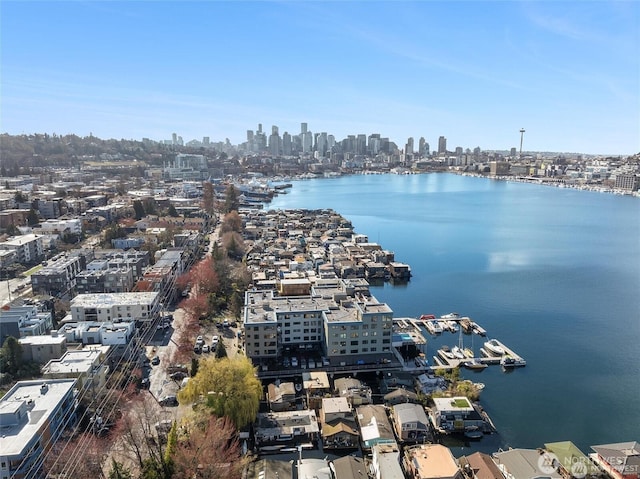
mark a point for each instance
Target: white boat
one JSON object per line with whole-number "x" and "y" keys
{"x": 494, "y": 346}
{"x": 434, "y": 327}
{"x": 474, "y": 364}
{"x": 511, "y": 362}
{"x": 457, "y": 352}
{"x": 452, "y": 325}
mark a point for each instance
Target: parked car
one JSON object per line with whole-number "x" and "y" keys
{"x": 197, "y": 348}
{"x": 225, "y": 323}
{"x": 155, "y": 360}
{"x": 200, "y": 340}
{"x": 178, "y": 376}
{"x": 205, "y": 348}
{"x": 294, "y": 362}
{"x": 169, "y": 401}
{"x": 215, "y": 340}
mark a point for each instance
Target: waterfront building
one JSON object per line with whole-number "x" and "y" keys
{"x": 374, "y": 425}
{"x": 385, "y": 461}
{"x": 479, "y": 466}
{"x": 620, "y": 460}
{"x": 349, "y": 467}
{"x": 411, "y": 422}
{"x": 526, "y": 463}
{"x": 455, "y": 414}
{"x": 431, "y": 461}
{"x": 33, "y": 414}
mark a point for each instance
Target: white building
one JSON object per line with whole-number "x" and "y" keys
{"x": 61, "y": 227}
{"x": 115, "y": 307}
{"x": 33, "y": 415}
{"x": 28, "y": 248}
{"x": 21, "y": 321}
{"x": 86, "y": 365}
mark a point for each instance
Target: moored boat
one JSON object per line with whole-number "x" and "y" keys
{"x": 494, "y": 347}
{"x": 474, "y": 364}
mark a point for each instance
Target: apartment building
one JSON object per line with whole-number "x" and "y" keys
{"x": 29, "y": 248}
{"x": 115, "y": 307}
{"x": 33, "y": 415}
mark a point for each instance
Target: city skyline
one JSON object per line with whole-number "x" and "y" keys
{"x": 474, "y": 72}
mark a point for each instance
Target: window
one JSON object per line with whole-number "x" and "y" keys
{"x": 354, "y": 351}
{"x": 354, "y": 343}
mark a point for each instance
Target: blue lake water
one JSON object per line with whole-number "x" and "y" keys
{"x": 553, "y": 273}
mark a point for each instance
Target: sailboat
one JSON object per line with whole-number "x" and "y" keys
{"x": 474, "y": 363}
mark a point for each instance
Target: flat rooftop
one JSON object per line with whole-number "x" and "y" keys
{"x": 14, "y": 438}
{"x": 93, "y": 300}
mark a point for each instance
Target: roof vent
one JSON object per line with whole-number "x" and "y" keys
{"x": 44, "y": 388}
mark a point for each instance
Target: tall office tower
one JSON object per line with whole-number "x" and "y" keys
{"x": 174, "y": 138}
{"x": 373, "y": 148}
{"x": 458, "y": 151}
{"x": 331, "y": 141}
{"x": 250, "y": 141}
{"x": 322, "y": 144}
{"x": 259, "y": 127}
{"x": 303, "y": 128}
{"x": 423, "y": 147}
{"x": 476, "y": 152}
{"x": 287, "y": 146}
{"x": 307, "y": 141}
{"x": 260, "y": 141}
{"x": 513, "y": 152}
{"x": 442, "y": 145}
{"x": 315, "y": 141}
{"x": 205, "y": 140}
{"x": 361, "y": 145}
{"x": 274, "y": 141}
{"x": 408, "y": 149}
{"x": 296, "y": 144}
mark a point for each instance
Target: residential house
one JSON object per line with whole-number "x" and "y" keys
{"x": 526, "y": 464}
{"x": 287, "y": 428}
{"x": 455, "y": 414}
{"x": 374, "y": 424}
{"x": 411, "y": 422}
{"x": 573, "y": 462}
{"x": 400, "y": 396}
{"x": 354, "y": 390}
{"x": 281, "y": 396}
{"x": 349, "y": 467}
{"x": 385, "y": 461}
{"x": 339, "y": 430}
{"x": 620, "y": 460}
{"x": 316, "y": 386}
{"x": 430, "y": 461}
{"x": 479, "y": 466}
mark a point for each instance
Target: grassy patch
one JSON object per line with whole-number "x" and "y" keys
{"x": 460, "y": 403}
{"x": 35, "y": 269}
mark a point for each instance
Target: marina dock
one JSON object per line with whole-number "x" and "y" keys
{"x": 410, "y": 331}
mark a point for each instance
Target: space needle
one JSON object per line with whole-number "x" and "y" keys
{"x": 521, "y": 138}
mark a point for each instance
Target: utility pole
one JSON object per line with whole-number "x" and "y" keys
{"x": 521, "y": 138}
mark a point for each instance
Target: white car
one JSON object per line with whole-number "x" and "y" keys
{"x": 294, "y": 362}
{"x": 215, "y": 340}
{"x": 205, "y": 348}
{"x": 200, "y": 340}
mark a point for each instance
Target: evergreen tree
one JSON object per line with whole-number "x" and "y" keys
{"x": 138, "y": 209}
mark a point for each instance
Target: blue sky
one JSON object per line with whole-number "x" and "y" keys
{"x": 475, "y": 72}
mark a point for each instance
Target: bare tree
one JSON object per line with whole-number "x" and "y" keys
{"x": 209, "y": 448}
